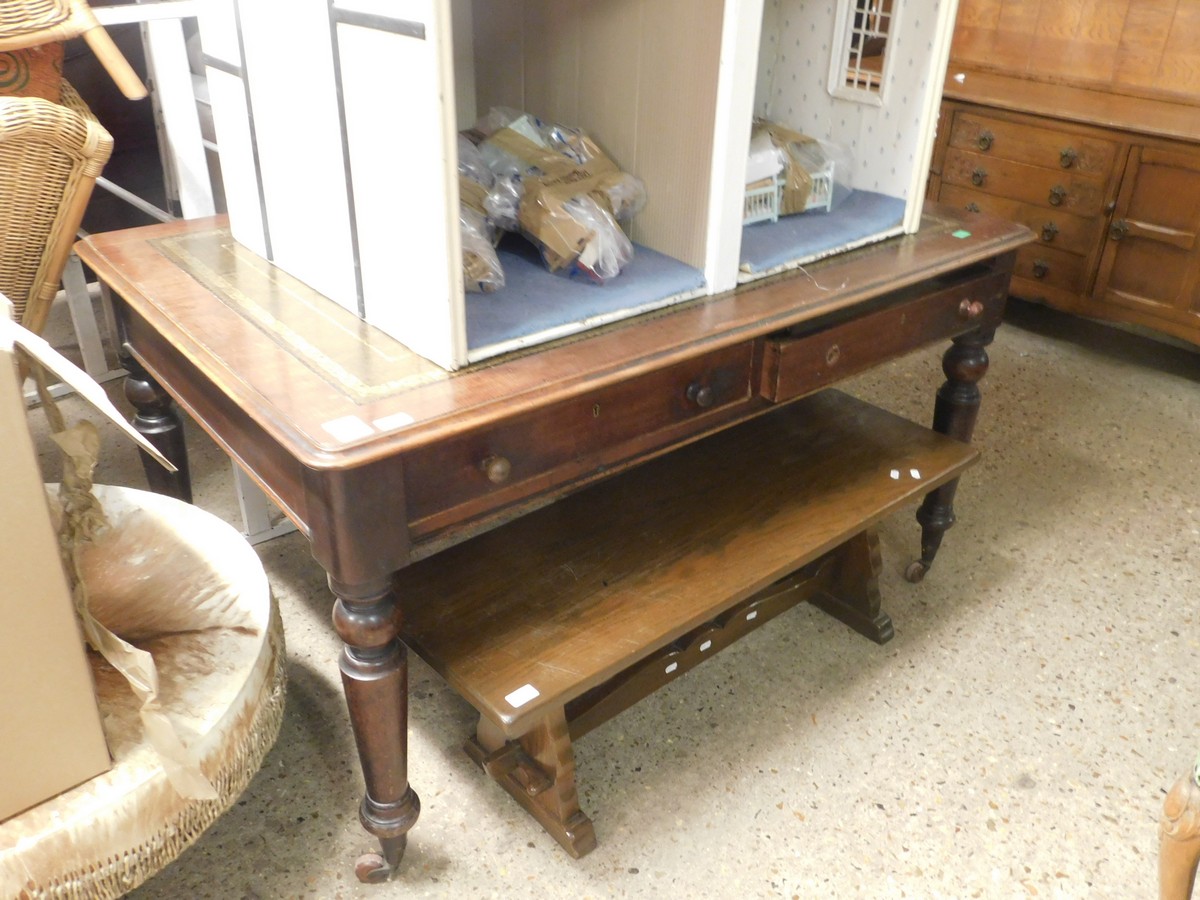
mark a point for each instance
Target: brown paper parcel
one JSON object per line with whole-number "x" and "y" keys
{"x": 543, "y": 215}
{"x": 797, "y": 180}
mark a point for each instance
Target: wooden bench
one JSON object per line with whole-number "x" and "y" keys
{"x": 556, "y": 622}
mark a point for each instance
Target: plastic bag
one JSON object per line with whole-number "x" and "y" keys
{"x": 471, "y": 164}
{"x": 626, "y": 196}
{"x": 503, "y": 202}
{"x": 607, "y": 250}
{"x": 555, "y": 186}
{"x": 482, "y": 272}
{"x": 814, "y": 175}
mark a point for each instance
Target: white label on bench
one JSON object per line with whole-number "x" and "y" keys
{"x": 348, "y": 428}
{"x": 895, "y": 473}
{"x": 522, "y": 695}
{"x": 705, "y": 646}
{"x": 671, "y": 668}
{"x": 395, "y": 420}
{"x": 915, "y": 473}
{"x": 753, "y": 614}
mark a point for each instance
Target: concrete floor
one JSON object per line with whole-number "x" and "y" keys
{"x": 1015, "y": 739}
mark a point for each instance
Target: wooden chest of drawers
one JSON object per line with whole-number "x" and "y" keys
{"x": 1109, "y": 184}
{"x": 1054, "y": 179}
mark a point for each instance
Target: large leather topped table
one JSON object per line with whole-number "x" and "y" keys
{"x": 382, "y": 459}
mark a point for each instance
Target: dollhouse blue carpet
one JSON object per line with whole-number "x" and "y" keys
{"x": 810, "y": 235}
{"x": 534, "y": 302}
{"x": 535, "y": 306}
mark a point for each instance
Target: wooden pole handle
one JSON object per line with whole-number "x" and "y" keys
{"x": 115, "y": 63}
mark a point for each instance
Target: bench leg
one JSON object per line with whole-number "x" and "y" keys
{"x": 853, "y": 595}
{"x": 539, "y": 772}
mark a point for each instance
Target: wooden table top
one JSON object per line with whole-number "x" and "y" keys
{"x": 1073, "y": 103}
{"x": 337, "y": 393}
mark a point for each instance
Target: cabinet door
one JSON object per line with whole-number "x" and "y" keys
{"x": 1148, "y": 272}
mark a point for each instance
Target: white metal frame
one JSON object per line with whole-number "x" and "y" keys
{"x": 182, "y": 149}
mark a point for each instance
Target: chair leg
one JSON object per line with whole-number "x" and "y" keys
{"x": 1179, "y": 840}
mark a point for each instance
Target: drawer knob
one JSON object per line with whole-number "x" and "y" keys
{"x": 978, "y": 177}
{"x": 700, "y": 394}
{"x": 972, "y": 206}
{"x": 1041, "y": 268}
{"x": 1049, "y": 231}
{"x": 970, "y": 309}
{"x": 1067, "y": 157}
{"x": 1118, "y": 229}
{"x": 985, "y": 141}
{"x": 496, "y": 468}
{"x": 1058, "y": 194}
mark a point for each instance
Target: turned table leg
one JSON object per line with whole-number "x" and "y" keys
{"x": 374, "y": 665}
{"x": 954, "y": 413}
{"x": 157, "y": 420}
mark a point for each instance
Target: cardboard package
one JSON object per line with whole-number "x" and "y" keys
{"x": 798, "y": 182}
{"x": 51, "y": 738}
{"x": 571, "y": 206}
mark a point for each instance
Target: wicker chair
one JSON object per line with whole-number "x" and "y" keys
{"x": 50, "y": 155}
{"x": 27, "y": 23}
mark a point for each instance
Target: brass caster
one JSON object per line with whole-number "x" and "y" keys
{"x": 915, "y": 572}
{"x": 372, "y": 869}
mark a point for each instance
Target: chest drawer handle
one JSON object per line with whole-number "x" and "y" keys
{"x": 970, "y": 309}
{"x": 1058, "y": 194}
{"x": 700, "y": 394}
{"x": 978, "y": 177}
{"x": 985, "y": 141}
{"x": 1118, "y": 230}
{"x": 1067, "y": 157}
{"x": 1040, "y": 269}
{"x": 972, "y": 206}
{"x": 496, "y": 468}
{"x": 1049, "y": 232}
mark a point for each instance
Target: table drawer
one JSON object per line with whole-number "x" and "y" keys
{"x": 487, "y": 469}
{"x": 1048, "y": 188}
{"x": 1035, "y": 145}
{"x": 798, "y": 364}
{"x": 1046, "y": 265}
{"x": 1053, "y": 227}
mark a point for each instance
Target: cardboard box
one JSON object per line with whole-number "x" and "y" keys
{"x": 51, "y": 738}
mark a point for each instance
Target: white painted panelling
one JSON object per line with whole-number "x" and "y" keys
{"x": 231, "y": 120}
{"x": 938, "y": 49}
{"x": 463, "y": 29}
{"x": 403, "y": 165}
{"x": 741, "y": 38}
{"x": 166, "y": 57}
{"x": 218, "y": 31}
{"x": 298, "y": 133}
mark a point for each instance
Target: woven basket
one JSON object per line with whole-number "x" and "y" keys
{"x": 50, "y": 155}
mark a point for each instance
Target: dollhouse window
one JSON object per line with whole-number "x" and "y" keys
{"x": 859, "y": 67}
